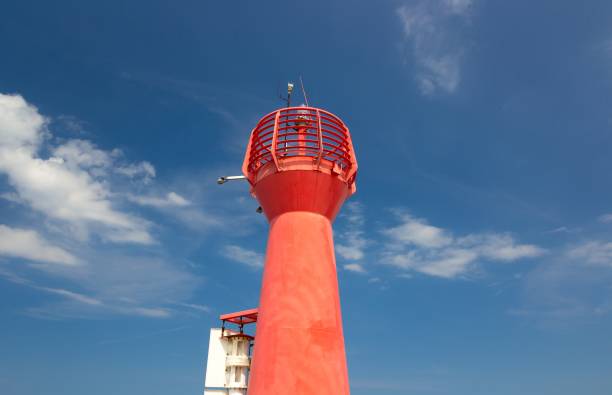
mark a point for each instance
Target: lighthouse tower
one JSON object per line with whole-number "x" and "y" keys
{"x": 301, "y": 166}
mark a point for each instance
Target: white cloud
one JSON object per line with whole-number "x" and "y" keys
{"x": 243, "y": 255}
{"x": 354, "y": 267}
{"x": 449, "y": 263}
{"x": 434, "y": 42}
{"x": 73, "y": 295}
{"x": 499, "y": 247}
{"x": 150, "y": 312}
{"x": 21, "y": 126}
{"x": 143, "y": 170}
{"x": 605, "y": 218}
{"x": 351, "y": 242}
{"x": 417, "y": 232}
{"x": 70, "y": 123}
{"x": 64, "y": 187}
{"x": 458, "y": 6}
{"x": 27, "y": 244}
{"x": 194, "y": 306}
{"x": 414, "y": 245}
{"x": 571, "y": 287}
{"x": 172, "y": 199}
{"x": 562, "y": 229}
{"x": 11, "y": 197}
{"x": 592, "y": 253}
{"x": 442, "y": 73}
{"x": 82, "y": 153}
{"x": 350, "y": 252}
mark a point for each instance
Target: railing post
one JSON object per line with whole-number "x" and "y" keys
{"x": 274, "y": 140}
{"x": 320, "y": 135}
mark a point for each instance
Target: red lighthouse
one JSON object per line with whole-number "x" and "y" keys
{"x": 301, "y": 166}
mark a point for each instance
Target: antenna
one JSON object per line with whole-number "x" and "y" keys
{"x": 304, "y": 92}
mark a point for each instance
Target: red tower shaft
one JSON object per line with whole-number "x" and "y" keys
{"x": 301, "y": 166}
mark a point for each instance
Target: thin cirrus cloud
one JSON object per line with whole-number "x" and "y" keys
{"x": 415, "y": 245}
{"x": 573, "y": 284}
{"x": 605, "y": 218}
{"x": 432, "y": 39}
{"x": 172, "y": 199}
{"x": 592, "y": 253}
{"x": 351, "y": 241}
{"x": 67, "y": 294}
{"x": 80, "y": 298}
{"x": 113, "y": 284}
{"x": 243, "y": 255}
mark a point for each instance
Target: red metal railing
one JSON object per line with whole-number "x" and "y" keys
{"x": 301, "y": 132}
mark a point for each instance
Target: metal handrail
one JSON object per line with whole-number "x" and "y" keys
{"x": 301, "y": 132}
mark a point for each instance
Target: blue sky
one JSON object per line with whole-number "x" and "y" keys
{"x": 475, "y": 258}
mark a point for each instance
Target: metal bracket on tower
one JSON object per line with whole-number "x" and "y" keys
{"x": 224, "y": 179}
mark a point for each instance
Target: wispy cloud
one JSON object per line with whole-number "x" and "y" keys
{"x": 242, "y": 255}
{"x": 592, "y": 253}
{"x": 73, "y": 295}
{"x": 355, "y": 267}
{"x": 197, "y": 307}
{"x": 573, "y": 283}
{"x": 28, "y": 244}
{"x": 351, "y": 242}
{"x": 113, "y": 284}
{"x": 432, "y": 36}
{"x": 172, "y": 199}
{"x": 77, "y": 297}
{"x": 143, "y": 170}
{"x": 415, "y": 245}
{"x": 151, "y": 312}
{"x": 418, "y": 232}
{"x": 70, "y": 123}
{"x": 563, "y": 229}
{"x": 605, "y": 218}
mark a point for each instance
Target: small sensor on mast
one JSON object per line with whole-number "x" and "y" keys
{"x": 289, "y": 91}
